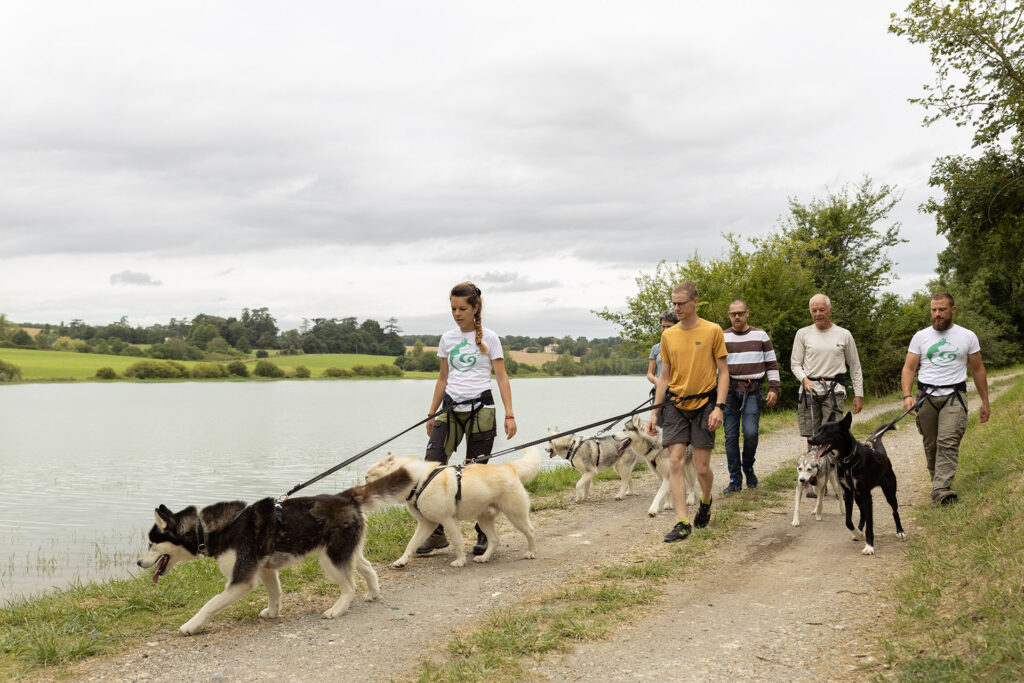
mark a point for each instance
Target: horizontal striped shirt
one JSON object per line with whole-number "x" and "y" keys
{"x": 752, "y": 356}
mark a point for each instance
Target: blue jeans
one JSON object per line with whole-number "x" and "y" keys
{"x": 750, "y": 418}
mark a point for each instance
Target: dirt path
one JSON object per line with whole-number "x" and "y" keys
{"x": 766, "y": 605}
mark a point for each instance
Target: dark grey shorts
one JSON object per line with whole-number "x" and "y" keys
{"x": 688, "y": 426}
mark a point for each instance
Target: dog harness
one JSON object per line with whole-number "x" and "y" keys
{"x": 414, "y": 494}
{"x": 200, "y": 536}
{"x": 578, "y": 442}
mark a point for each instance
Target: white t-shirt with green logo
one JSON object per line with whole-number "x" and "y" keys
{"x": 944, "y": 355}
{"x": 469, "y": 370}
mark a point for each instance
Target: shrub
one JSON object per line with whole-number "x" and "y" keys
{"x": 238, "y": 368}
{"x": 132, "y": 350}
{"x": 208, "y": 371}
{"x": 152, "y": 369}
{"x": 264, "y": 368}
{"x": 301, "y": 371}
{"x": 262, "y": 353}
{"x": 9, "y": 372}
{"x": 339, "y": 372}
{"x": 106, "y": 373}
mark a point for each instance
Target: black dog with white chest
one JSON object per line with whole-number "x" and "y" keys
{"x": 862, "y": 467}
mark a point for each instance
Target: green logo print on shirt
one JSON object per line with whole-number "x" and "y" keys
{"x": 941, "y": 358}
{"x": 463, "y": 360}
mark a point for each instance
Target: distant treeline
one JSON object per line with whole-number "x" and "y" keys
{"x": 210, "y": 337}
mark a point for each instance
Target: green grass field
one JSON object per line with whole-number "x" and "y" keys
{"x": 69, "y": 365}
{"x": 64, "y": 364}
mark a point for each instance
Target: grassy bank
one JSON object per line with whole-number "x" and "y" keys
{"x": 960, "y": 608}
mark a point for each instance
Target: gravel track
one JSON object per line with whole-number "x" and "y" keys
{"x": 772, "y": 602}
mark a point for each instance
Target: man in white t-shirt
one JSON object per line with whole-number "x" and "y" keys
{"x": 940, "y": 356}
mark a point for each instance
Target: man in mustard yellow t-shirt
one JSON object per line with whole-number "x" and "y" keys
{"x": 695, "y": 376}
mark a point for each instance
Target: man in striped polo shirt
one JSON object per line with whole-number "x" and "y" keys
{"x": 751, "y": 360}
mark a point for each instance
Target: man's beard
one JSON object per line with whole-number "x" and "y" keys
{"x": 943, "y": 325}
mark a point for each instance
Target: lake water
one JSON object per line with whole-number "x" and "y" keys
{"x": 82, "y": 466}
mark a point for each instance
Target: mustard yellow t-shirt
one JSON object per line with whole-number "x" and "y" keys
{"x": 690, "y": 354}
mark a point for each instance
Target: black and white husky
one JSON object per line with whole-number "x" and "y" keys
{"x": 595, "y": 454}
{"x": 252, "y": 542}
{"x": 649, "y": 449}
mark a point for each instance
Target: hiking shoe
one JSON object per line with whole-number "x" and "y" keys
{"x": 732, "y": 488}
{"x": 680, "y": 531}
{"x": 751, "y": 479}
{"x": 812, "y": 494}
{"x": 481, "y": 541}
{"x": 703, "y": 515}
{"x": 434, "y": 542}
{"x": 947, "y": 498}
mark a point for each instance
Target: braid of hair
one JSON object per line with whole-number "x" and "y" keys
{"x": 479, "y": 332}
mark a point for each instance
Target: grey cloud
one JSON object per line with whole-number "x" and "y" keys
{"x": 128, "y": 277}
{"x": 512, "y": 282}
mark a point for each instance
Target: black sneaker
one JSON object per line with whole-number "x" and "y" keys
{"x": 751, "y": 479}
{"x": 732, "y": 488}
{"x": 434, "y": 542}
{"x": 680, "y": 531}
{"x": 703, "y": 515}
{"x": 812, "y": 494}
{"x": 481, "y": 541}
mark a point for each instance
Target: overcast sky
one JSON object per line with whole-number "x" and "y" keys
{"x": 330, "y": 159}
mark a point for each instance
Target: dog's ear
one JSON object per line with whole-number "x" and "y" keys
{"x": 164, "y": 516}
{"x": 848, "y": 420}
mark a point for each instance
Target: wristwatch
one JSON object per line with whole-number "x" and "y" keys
{"x": 720, "y": 406}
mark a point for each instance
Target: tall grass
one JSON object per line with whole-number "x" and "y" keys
{"x": 960, "y": 608}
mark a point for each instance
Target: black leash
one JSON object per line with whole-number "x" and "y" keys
{"x": 617, "y": 418}
{"x": 346, "y": 463}
{"x": 883, "y": 430}
{"x": 612, "y": 424}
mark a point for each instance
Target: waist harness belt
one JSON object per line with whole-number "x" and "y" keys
{"x": 678, "y": 401}
{"x": 830, "y": 384}
{"x": 475, "y": 404}
{"x": 959, "y": 390}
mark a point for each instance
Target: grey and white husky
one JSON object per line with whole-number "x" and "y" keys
{"x": 595, "y": 454}
{"x": 814, "y": 470}
{"x": 252, "y": 542}
{"x": 649, "y": 449}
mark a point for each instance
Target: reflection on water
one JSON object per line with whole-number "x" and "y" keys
{"x": 83, "y": 465}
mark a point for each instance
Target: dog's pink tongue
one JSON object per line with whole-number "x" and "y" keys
{"x": 807, "y": 487}
{"x": 821, "y": 450}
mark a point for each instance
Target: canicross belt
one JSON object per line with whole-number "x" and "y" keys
{"x": 959, "y": 389}
{"x": 678, "y": 401}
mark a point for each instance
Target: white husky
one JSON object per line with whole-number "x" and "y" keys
{"x": 649, "y": 449}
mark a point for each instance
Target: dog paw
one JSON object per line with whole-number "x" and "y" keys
{"x": 399, "y": 563}
{"x": 370, "y": 597}
{"x": 334, "y": 612}
{"x": 461, "y": 562}
{"x": 652, "y": 513}
{"x": 856, "y": 537}
{"x": 901, "y": 534}
{"x": 796, "y": 522}
{"x": 269, "y": 613}
{"x": 868, "y": 550}
{"x": 481, "y": 559}
{"x": 817, "y": 518}
{"x": 619, "y": 497}
{"x": 530, "y": 555}
{"x": 189, "y": 628}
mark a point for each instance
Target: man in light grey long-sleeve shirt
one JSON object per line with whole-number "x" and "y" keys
{"x": 822, "y": 352}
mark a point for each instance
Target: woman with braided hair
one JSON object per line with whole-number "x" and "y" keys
{"x": 468, "y": 353}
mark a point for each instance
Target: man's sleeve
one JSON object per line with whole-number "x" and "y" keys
{"x": 719, "y": 347}
{"x": 796, "y": 359}
{"x": 771, "y": 364}
{"x": 853, "y": 363}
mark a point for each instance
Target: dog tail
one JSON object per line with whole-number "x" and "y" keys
{"x": 388, "y": 489}
{"x": 527, "y": 466}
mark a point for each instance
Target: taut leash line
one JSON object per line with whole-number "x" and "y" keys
{"x": 346, "y": 463}
{"x": 883, "y": 430}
